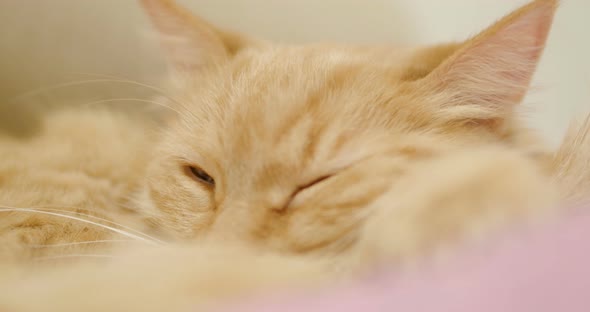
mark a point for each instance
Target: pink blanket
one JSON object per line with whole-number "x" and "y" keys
{"x": 540, "y": 270}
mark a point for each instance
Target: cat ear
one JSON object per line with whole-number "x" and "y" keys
{"x": 190, "y": 42}
{"x": 486, "y": 76}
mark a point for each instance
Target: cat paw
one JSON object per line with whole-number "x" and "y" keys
{"x": 459, "y": 198}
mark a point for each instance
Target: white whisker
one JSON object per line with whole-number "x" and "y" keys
{"x": 113, "y": 78}
{"x": 47, "y": 89}
{"x": 102, "y": 78}
{"x": 98, "y": 256}
{"x": 119, "y": 231}
{"x": 79, "y": 83}
{"x": 131, "y": 100}
{"x": 129, "y": 229}
{"x": 103, "y": 241}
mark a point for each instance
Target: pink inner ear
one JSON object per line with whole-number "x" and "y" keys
{"x": 496, "y": 67}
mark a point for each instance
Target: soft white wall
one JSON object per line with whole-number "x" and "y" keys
{"x": 41, "y": 41}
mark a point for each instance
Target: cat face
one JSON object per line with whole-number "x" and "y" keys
{"x": 264, "y": 140}
{"x": 285, "y": 146}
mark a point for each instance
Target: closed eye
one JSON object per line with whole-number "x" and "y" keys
{"x": 305, "y": 187}
{"x": 199, "y": 175}
{"x": 312, "y": 183}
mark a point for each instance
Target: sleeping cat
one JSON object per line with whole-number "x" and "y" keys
{"x": 280, "y": 165}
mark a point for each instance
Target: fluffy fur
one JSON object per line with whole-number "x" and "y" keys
{"x": 327, "y": 161}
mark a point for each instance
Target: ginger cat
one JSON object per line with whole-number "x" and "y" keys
{"x": 279, "y": 165}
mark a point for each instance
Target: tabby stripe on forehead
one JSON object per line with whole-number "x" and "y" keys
{"x": 333, "y": 84}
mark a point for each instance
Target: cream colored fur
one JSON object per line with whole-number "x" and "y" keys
{"x": 327, "y": 161}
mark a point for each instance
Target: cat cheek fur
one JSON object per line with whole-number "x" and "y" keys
{"x": 173, "y": 202}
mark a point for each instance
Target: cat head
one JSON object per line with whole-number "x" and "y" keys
{"x": 284, "y": 146}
